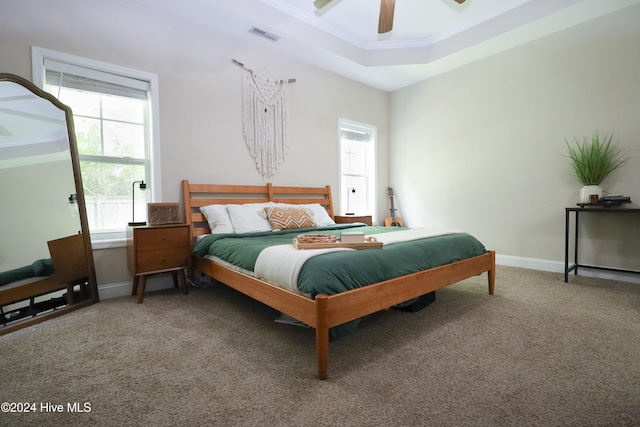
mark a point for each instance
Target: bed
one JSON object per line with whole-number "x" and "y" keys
{"x": 321, "y": 311}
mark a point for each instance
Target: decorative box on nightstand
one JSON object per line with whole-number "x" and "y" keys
{"x": 348, "y": 219}
{"x": 158, "y": 249}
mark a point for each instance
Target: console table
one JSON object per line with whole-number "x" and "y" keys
{"x": 597, "y": 210}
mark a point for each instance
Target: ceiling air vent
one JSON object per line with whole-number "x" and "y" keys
{"x": 265, "y": 34}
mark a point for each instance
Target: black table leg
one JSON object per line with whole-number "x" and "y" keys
{"x": 575, "y": 252}
{"x": 566, "y": 246}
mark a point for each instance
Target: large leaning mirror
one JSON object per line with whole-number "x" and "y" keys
{"x": 46, "y": 260}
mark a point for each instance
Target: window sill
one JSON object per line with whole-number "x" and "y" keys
{"x": 108, "y": 240}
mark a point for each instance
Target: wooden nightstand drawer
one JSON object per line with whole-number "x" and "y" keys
{"x": 162, "y": 259}
{"x": 158, "y": 249}
{"x": 150, "y": 239}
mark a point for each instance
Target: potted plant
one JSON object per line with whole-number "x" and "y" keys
{"x": 592, "y": 161}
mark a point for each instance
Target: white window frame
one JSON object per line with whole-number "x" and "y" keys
{"x": 40, "y": 55}
{"x": 371, "y": 180}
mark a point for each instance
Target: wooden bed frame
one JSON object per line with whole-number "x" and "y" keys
{"x": 325, "y": 311}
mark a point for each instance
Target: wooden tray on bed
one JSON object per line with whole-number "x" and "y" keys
{"x": 320, "y": 242}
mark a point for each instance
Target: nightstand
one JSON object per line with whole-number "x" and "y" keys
{"x": 158, "y": 249}
{"x": 348, "y": 219}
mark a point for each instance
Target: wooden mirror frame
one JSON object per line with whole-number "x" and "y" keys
{"x": 16, "y": 294}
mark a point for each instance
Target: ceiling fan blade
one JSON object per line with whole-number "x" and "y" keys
{"x": 385, "y": 24}
{"x": 319, "y": 4}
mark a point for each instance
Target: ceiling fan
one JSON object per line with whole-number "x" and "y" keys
{"x": 385, "y": 23}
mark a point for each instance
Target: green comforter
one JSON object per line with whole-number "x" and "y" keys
{"x": 336, "y": 272}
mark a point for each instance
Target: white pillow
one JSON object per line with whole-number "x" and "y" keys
{"x": 250, "y": 217}
{"x": 218, "y": 219}
{"x": 319, "y": 213}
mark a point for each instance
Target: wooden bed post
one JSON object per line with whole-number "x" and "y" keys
{"x": 186, "y": 200}
{"x": 330, "y": 201}
{"x": 491, "y": 274}
{"x": 322, "y": 336}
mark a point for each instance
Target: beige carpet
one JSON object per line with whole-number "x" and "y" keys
{"x": 539, "y": 353}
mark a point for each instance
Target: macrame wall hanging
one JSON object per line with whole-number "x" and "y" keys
{"x": 265, "y": 119}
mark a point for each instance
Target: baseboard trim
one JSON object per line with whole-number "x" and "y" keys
{"x": 558, "y": 267}
{"x": 530, "y": 263}
{"x": 117, "y": 290}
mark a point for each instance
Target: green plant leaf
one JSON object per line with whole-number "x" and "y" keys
{"x": 592, "y": 161}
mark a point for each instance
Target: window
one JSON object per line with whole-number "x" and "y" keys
{"x": 113, "y": 110}
{"x": 357, "y": 168}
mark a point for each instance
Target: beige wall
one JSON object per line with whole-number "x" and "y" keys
{"x": 482, "y": 148}
{"x": 200, "y": 95}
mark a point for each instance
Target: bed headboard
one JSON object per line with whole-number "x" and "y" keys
{"x": 195, "y": 196}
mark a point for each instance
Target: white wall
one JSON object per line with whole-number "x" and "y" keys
{"x": 200, "y": 95}
{"x": 482, "y": 148}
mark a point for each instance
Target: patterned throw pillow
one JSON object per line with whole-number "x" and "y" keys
{"x": 289, "y": 218}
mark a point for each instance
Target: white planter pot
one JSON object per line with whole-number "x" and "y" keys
{"x": 588, "y": 190}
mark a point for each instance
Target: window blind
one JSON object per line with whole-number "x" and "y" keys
{"x": 355, "y": 136}
{"x": 66, "y": 75}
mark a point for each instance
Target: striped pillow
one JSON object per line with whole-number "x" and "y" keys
{"x": 289, "y": 218}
